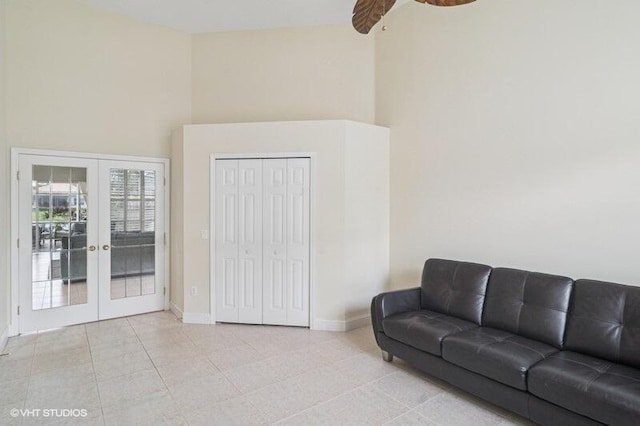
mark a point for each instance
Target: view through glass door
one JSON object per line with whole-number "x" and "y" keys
{"x": 57, "y": 243}
{"x": 131, "y": 238}
{"x": 91, "y": 236}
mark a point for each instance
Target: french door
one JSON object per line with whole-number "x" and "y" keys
{"x": 91, "y": 240}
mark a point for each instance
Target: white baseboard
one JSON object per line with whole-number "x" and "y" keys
{"x": 176, "y": 311}
{"x": 358, "y": 322}
{"x": 188, "y": 318}
{"x": 328, "y": 325}
{"x": 4, "y": 337}
{"x": 348, "y": 325}
{"x": 318, "y": 324}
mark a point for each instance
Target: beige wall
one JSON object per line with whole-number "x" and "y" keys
{"x": 344, "y": 285}
{"x": 177, "y": 221}
{"x": 514, "y": 135}
{"x": 83, "y": 79}
{"x": 514, "y": 124}
{"x": 4, "y": 187}
{"x": 311, "y": 73}
{"x": 80, "y": 78}
{"x": 366, "y": 198}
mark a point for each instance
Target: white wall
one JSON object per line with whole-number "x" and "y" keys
{"x": 514, "y": 135}
{"x": 312, "y": 73}
{"x": 80, "y": 78}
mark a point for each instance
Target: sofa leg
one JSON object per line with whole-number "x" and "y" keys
{"x": 387, "y": 356}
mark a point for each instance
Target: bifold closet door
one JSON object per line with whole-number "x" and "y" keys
{"x": 262, "y": 241}
{"x": 286, "y": 184}
{"x": 238, "y": 268}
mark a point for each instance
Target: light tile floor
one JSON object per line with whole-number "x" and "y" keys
{"x": 153, "y": 370}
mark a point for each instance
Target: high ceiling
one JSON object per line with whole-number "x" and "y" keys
{"x": 201, "y": 16}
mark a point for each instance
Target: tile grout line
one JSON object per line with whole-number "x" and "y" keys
{"x": 33, "y": 360}
{"x": 179, "y": 408}
{"x": 413, "y": 410}
{"x": 342, "y": 394}
{"x": 325, "y": 364}
{"x": 26, "y": 394}
{"x": 219, "y": 371}
{"x": 95, "y": 376}
{"x": 243, "y": 394}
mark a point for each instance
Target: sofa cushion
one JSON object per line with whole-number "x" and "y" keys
{"x": 604, "y": 321}
{"x": 424, "y": 330}
{"x": 455, "y": 288}
{"x": 529, "y": 304}
{"x": 595, "y": 388}
{"x": 499, "y": 355}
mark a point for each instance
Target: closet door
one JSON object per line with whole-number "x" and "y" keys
{"x": 275, "y": 241}
{"x": 250, "y": 241}
{"x": 286, "y": 184}
{"x": 226, "y": 266}
{"x": 262, "y": 241}
{"x": 298, "y": 184}
{"x": 238, "y": 268}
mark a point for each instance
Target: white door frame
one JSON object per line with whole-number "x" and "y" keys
{"x": 312, "y": 223}
{"x": 14, "y": 328}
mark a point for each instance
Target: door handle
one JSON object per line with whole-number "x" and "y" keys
{"x": 105, "y": 247}
{"x": 92, "y": 248}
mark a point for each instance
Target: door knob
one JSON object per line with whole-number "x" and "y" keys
{"x": 105, "y": 247}
{"x": 92, "y": 248}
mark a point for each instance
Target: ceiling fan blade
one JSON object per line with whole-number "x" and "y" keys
{"x": 367, "y": 13}
{"x": 445, "y": 2}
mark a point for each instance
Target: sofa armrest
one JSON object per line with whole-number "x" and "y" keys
{"x": 393, "y": 302}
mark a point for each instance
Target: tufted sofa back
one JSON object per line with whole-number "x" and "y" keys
{"x": 455, "y": 288}
{"x": 529, "y": 304}
{"x": 604, "y": 321}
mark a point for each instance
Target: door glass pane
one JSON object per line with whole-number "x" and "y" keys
{"x": 58, "y": 236}
{"x": 133, "y": 238}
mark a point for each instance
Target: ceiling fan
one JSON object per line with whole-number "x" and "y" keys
{"x": 367, "y": 13}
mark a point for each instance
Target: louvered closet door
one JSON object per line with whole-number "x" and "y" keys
{"x": 286, "y": 184}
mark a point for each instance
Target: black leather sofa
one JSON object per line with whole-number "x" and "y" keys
{"x": 553, "y": 350}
